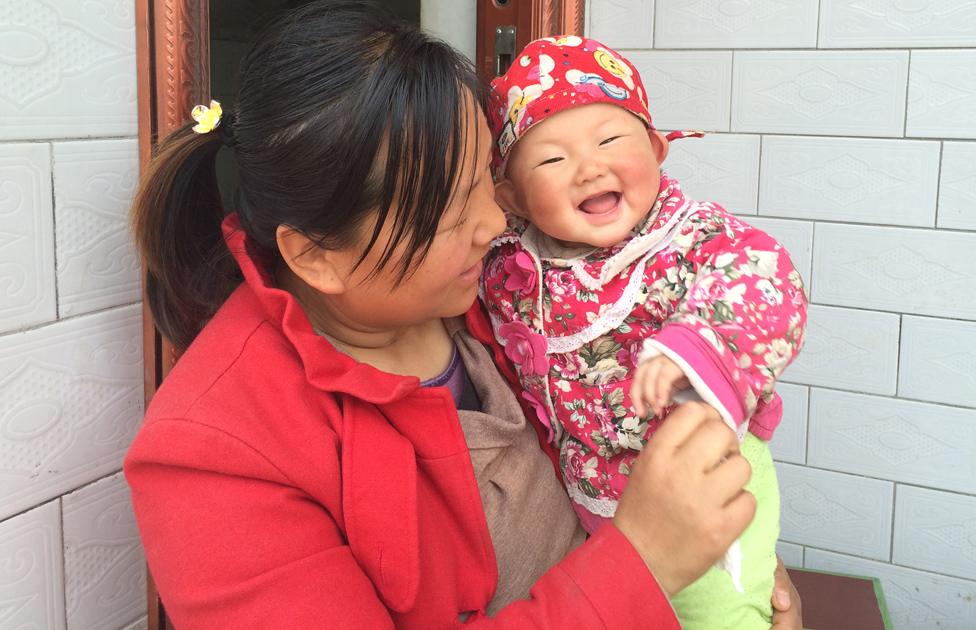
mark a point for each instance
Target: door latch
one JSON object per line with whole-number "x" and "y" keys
{"x": 504, "y": 48}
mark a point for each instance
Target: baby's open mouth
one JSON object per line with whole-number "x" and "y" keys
{"x": 600, "y": 204}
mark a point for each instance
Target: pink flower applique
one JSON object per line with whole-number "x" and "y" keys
{"x": 521, "y": 273}
{"x": 541, "y": 411}
{"x": 525, "y": 348}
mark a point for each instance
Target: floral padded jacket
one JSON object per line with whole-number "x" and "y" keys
{"x": 717, "y": 296}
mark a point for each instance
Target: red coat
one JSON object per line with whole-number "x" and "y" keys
{"x": 280, "y": 484}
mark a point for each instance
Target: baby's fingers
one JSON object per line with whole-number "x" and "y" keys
{"x": 635, "y": 392}
{"x": 642, "y": 389}
{"x": 664, "y": 388}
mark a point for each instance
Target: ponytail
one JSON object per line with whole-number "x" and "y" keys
{"x": 176, "y": 220}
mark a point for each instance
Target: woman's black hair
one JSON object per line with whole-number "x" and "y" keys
{"x": 344, "y": 114}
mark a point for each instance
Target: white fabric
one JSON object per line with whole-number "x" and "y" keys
{"x": 601, "y": 507}
{"x": 731, "y": 562}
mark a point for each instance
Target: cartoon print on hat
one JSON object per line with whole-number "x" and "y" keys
{"x": 609, "y": 62}
{"x": 583, "y": 80}
{"x": 519, "y": 98}
{"x": 557, "y": 73}
{"x": 564, "y": 40}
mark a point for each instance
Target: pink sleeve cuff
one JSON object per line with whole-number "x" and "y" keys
{"x": 766, "y": 418}
{"x": 709, "y": 374}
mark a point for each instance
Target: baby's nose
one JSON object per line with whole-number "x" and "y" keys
{"x": 591, "y": 168}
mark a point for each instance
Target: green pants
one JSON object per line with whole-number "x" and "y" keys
{"x": 712, "y": 603}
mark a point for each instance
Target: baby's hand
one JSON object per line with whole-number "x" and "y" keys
{"x": 655, "y": 382}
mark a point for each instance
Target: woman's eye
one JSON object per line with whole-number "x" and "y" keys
{"x": 609, "y": 140}
{"x": 551, "y": 160}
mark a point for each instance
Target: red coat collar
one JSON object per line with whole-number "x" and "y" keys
{"x": 379, "y": 419}
{"x": 325, "y": 367}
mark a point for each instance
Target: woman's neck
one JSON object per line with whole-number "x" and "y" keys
{"x": 420, "y": 349}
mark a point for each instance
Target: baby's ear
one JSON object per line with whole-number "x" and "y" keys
{"x": 505, "y": 197}
{"x": 660, "y": 144}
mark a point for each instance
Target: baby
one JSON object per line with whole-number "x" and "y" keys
{"x": 612, "y": 292}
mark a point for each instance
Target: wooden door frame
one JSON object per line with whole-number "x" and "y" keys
{"x": 173, "y": 72}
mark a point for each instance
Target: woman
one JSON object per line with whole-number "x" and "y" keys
{"x": 335, "y": 447}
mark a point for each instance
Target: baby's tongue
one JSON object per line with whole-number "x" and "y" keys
{"x": 600, "y": 203}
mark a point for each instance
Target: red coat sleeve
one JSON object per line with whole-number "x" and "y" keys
{"x": 602, "y": 584}
{"x": 231, "y": 542}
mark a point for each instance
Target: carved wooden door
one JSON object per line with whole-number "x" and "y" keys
{"x": 173, "y": 48}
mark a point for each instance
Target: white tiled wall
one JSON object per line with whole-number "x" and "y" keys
{"x": 847, "y": 129}
{"x": 70, "y": 322}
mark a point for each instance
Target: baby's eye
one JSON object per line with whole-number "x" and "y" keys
{"x": 609, "y": 140}
{"x": 551, "y": 160}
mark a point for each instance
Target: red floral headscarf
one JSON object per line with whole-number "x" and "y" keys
{"x": 556, "y": 73}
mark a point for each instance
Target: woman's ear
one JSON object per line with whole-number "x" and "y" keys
{"x": 316, "y": 266}
{"x": 506, "y": 198}
{"x": 660, "y": 144}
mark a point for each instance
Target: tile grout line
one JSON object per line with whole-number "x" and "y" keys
{"x": 845, "y": 473}
{"x": 846, "y": 554}
{"x": 894, "y": 512}
{"x": 898, "y": 340}
{"x": 891, "y": 397}
{"x": 69, "y": 318}
{"x": 908, "y": 84}
{"x": 54, "y": 235}
{"x": 938, "y": 183}
{"x": 64, "y": 562}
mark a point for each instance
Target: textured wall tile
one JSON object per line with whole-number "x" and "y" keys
{"x": 834, "y": 511}
{"x": 844, "y": 93}
{"x": 880, "y": 23}
{"x": 916, "y": 600}
{"x": 27, "y": 287}
{"x": 893, "y": 439}
{"x": 93, "y": 186}
{"x": 31, "y": 591}
{"x": 938, "y": 361}
{"x": 850, "y": 179}
{"x": 848, "y": 349}
{"x": 104, "y": 567}
{"x": 791, "y": 554}
{"x": 719, "y": 167}
{"x": 67, "y": 69}
{"x": 942, "y": 94}
{"x": 957, "y": 189}
{"x": 736, "y": 24}
{"x": 926, "y": 272}
{"x": 686, "y": 90}
{"x": 934, "y": 531}
{"x": 139, "y": 624}
{"x": 70, "y": 403}
{"x": 790, "y": 442}
{"x": 796, "y": 237}
{"x": 621, "y": 23}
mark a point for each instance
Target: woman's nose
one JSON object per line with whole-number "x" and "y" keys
{"x": 492, "y": 222}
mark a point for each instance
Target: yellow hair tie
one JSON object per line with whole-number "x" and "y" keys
{"x": 208, "y": 118}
